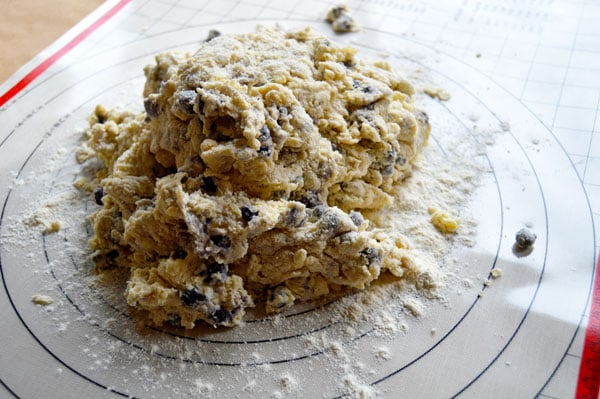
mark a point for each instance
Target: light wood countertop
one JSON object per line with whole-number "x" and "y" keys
{"x": 29, "y": 26}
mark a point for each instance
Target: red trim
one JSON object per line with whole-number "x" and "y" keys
{"x": 588, "y": 383}
{"x": 38, "y": 70}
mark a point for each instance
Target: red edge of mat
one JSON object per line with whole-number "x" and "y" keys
{"x": 588, "y": 383}
{"x": 44, "y": 65}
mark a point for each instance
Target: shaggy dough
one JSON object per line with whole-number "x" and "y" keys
{"x": 251, "y": 174}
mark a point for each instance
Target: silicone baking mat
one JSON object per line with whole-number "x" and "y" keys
{"x": 524, "y": 80}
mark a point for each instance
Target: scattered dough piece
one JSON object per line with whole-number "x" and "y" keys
{"x": 383, "y": 353}
{"x": 436, "y": 92}
{"x": 288, "y": 382}
{"x": 53, "y": 227}
{"x": 340, "y": 19}
{"x": 250, "y": 177}
{"x": 44, "y": 217}
{"x": 201, "y": 387}
{"x": 525, "y": 238}
{"x": 212, "y": 34}
{"x": 443, "y": 222}
{"x": 110, "y": 323}
{"x": 43, "y": 300}
{"x": 414, "y": 306}
{"x": 496, "y": 272}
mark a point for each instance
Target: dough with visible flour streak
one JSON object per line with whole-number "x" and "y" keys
{"x": 252, "y": 174}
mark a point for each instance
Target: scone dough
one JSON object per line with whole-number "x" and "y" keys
{"x": 251, "y": 174}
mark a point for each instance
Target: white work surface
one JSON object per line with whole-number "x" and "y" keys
{"x": 530, "y": 70}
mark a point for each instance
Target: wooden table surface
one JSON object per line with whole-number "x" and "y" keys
{"x": 29, "y": 26}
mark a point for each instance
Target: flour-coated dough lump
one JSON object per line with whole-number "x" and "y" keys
{"x": 250, "y": 176}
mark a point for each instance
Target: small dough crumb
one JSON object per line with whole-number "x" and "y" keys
{"x": 53, "y": 227}
{"x": 443, "y": 222}
{"x": 110, "y": 323}
{"x": 43, "y": 300}
{"x": 496, "y": 272}
{"x": 212, "y": 34}
{"x": 357, "y": 388}
{"x": 437, "y": 92}
{"x": 340, "y": 19}
{"x": 43, "y": 217}
{"x": 288, "y": 382}
{"x": 414, "y": 306}
{"x": 201, "y": 387}
{"x": 383, "y": 353}
{"x": 525, "y": 238}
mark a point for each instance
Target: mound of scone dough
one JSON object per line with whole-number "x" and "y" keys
{"x": 251, "y": 175}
